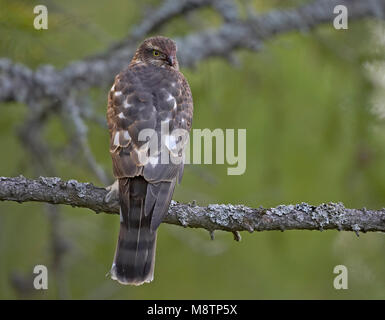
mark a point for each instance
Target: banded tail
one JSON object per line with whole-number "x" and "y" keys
{"x": 135, "y": 251}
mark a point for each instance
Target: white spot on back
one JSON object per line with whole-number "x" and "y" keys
{"x": 118, "y": 93}
{"x": 121, "y": 115}
{"x": 170, "y": 97}
{"x": 116, "y": 139}
{"x": 127, "y": 105}
{"x": 142, "y": 154}
{"x": 126, "y": 135}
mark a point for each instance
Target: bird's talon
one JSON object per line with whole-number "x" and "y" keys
{"x": 237, "y": 236}
{"x": 113, "y": 193}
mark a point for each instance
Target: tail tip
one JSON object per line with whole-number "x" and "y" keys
{"x": 133, "y": 282}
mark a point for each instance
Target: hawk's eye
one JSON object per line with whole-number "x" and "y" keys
{"x": 155, "y": 53}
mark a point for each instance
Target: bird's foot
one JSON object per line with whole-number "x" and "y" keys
{"x": 113, "y": 193}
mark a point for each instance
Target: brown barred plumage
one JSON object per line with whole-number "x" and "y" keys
{"x": 150, "y": 91}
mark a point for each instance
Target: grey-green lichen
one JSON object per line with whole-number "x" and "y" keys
{"x": 213, "y": 217}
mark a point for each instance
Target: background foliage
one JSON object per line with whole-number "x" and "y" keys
{"x": 306, "y": 101}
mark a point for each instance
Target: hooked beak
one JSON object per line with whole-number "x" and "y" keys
{"x": 170, "y": 60}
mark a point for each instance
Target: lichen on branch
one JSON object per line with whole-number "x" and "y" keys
{"x": 227, "y": 217}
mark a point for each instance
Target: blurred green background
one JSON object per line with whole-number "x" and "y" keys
{"x": 311, "y": 104}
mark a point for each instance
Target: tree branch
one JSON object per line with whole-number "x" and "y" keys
{"x": 19, "y": 83}
{"x": 228, "y": 217}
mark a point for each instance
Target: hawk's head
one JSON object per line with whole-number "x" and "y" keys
{"x": 159, "y": 51}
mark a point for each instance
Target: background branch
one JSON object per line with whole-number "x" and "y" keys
{"x": 19, "y": 83}
{"x": 213, "y": 217}
{"x": 60, "y": 133}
